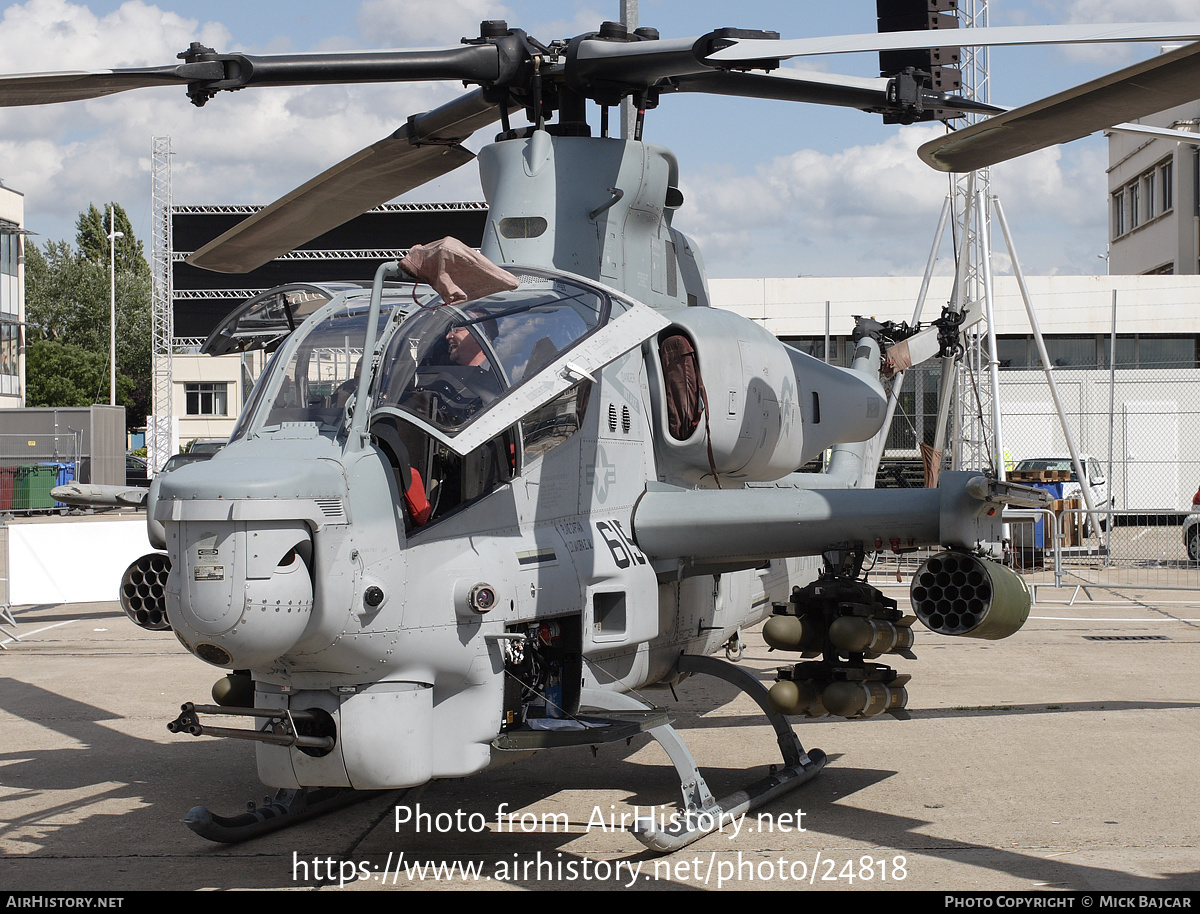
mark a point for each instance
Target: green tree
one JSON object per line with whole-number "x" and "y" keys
{"x": 63, "y": 374}
{"x": 67, "y": 303}
{"x": 91, "y": 235}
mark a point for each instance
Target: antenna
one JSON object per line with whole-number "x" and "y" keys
{"x": 629, "y": 19}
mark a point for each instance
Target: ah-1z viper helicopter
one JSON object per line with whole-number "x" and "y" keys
{"x": 546, "y": 487}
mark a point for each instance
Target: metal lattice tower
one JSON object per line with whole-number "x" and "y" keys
{"x": 160, "y": 440}
{"x": 976, "y": 439}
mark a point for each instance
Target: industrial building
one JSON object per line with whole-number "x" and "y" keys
{"x": 1138, "y": 414}
{"x": 1154, "y": 197}
{"x": 12, "y": 299}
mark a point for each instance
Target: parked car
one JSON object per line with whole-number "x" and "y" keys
{"x": 1063, "y": 465}
{"x": 1191, "y": 530}
{"x": 175, "y": 461}
{"x": 207, "y": 446}
{"x": 136, "y": 471}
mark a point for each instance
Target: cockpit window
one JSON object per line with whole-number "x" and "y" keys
{"x": 446, "y": 365}
{"x": 314, "y": 380}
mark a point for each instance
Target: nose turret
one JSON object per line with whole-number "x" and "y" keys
{"x": 239, "y": 535}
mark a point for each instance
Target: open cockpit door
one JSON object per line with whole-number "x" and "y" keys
{"x": 465, "y": 374}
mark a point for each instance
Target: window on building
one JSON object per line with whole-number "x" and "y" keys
{"x": 1145, "y": 198}
{"x": 10, "y": 347}
{"x": 8, "y": 252}
{"x": 1013, "y": 352}
{"x": 1166, "y": 351}
{"x": 207, "y": 399}
{"x": 1153, "y": 350}
{"x": 815, "y": 346}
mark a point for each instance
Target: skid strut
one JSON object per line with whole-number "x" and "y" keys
{"x": 287, "y": 807}
{"x": 702, "y": 813}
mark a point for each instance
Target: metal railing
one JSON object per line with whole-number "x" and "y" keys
{"x": 1124, "y": 552}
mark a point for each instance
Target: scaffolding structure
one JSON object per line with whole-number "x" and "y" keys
{"x": 969, "y": 426}
{"x": 159, "y": 434}
{"x": 978, "y": 442}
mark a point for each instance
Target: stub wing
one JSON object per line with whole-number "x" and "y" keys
{"x": 85, "y": 495}
{"x": 704, "y": 529}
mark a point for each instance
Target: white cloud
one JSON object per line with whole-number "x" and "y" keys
{"x": 402, "y": 23}
{"x": 869, "y": 208}
{"x": 244, "y": 147}
{"x": 1124, "y": 11}
{"x": 873, "y": 209}
{"x": 865, "y": 209}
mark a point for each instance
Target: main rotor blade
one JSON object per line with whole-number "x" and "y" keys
{"x": 425, "y": 148}
{"x": 1144, "y": 88}
{"x": 207, "y": 72}
{"x": 636, "y": 63}
{"x": 746, "y": 52}
{"x": 791, "y": 85}
{"x": 812, "y": 86}
{"x": 50, "y": 88}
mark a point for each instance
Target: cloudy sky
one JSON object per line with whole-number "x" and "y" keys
{"x": 771, "y": 189}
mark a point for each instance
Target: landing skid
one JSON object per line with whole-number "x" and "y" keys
{"x": 702, "y": 813}
{"x": 286, "y": 808}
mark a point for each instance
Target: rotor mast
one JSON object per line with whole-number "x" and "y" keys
{"x": 629, "y": 19}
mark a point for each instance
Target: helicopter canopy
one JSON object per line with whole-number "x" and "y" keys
{"x": 465, "y": 373}
{"x": 535, "y": 342}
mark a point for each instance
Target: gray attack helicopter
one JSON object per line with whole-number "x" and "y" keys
{"x": 476, "y": 507}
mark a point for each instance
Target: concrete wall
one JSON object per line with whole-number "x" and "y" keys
{"x": 1063, "y": 304}
{"x": 60, "y": 560}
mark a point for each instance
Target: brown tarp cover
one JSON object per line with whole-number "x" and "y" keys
{"x": 933, "y": 465}
{"x": 458, "y": 272}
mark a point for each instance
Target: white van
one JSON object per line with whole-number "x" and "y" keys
{"x": 1102, "y": 499}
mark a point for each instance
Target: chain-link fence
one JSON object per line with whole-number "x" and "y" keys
{"x": 31, "y": 466}
{"x": 1137, "y": 432}
{"x": 1132, "y": 410}
{"x": 1121, "y": 552}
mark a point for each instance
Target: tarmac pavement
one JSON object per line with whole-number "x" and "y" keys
{"x": 1050, "y": 761}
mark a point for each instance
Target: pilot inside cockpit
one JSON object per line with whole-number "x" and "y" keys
{"x": 465, "y": 344}
{"x": 445, "y": 371}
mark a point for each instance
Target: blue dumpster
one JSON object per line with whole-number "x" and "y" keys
{"x": 64, "y": 473}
